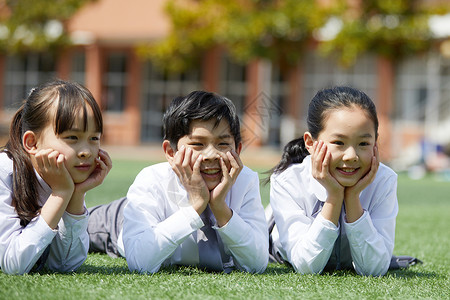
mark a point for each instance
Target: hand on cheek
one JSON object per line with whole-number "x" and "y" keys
{"x": 103, "y": 166}
{"x": 321, "y": 160}
{"x": 50, "y": 165}
{"x": 187, "y": 168}
{"x": 352, "y": 192}
{"x": 231, "y": 167}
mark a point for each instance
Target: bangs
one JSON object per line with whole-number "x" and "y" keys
{"x": 72, "y": 101}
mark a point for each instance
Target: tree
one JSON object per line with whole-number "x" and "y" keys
{"x": 391, "y": 29}
{"x": 36, "y": 25}
{"x": 248, "y": 29}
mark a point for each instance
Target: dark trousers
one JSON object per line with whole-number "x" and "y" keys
{"x": 105, "y": 224}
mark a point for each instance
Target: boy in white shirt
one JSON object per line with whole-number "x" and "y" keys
{"x": 200, "y": 208}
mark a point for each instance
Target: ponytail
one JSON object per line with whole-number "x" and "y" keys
{"x": 25, "y": 183}
{"x": 294, "y": 152}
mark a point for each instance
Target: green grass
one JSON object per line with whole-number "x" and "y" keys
{"x": 422, "y": 231}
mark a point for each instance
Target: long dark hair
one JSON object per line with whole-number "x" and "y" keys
{"x": 58, "y": 102}
{"x": 323, "y": 102}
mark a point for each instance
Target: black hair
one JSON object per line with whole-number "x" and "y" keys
{"x": 198, "y": 105}
{"x": 321, "y": 104}
{"x": 55, "y": 101}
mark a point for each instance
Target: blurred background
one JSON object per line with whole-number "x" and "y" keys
{"x": 268, "y": 56}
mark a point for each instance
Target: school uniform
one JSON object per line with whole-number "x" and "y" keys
{"x": 35, "y": 245}
{"x": 310, "y": 243}
{"x": 161, "y": 228}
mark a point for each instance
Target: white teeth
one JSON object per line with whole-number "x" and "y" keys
{"x": 212, "y": 171}
{"x": 348, "y": 170}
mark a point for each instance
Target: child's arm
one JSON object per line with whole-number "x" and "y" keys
{"x": 353, "y": 208}
{"x": 50, "y": 166}
{"x": 320, "y": 161}
{"x": 306, "y": 237}
{"x": 372, "y": 236}
{"x": 371, "y": 231}
{"x": 104, "y": 164}
{"x": 157, "y": 219}
{"x": 219, "y": 207}
{"x": 69, "y": 248}
{"x": 245, "y": 236}
{"x": 187, "y": 168}
{"x": 20, "y": 247}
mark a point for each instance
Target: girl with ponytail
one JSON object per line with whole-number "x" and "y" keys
{"x": 334, "y": 204}
{"x": 52, "y": 158}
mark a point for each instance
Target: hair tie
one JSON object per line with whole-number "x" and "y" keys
{"x": 31, "y": 91}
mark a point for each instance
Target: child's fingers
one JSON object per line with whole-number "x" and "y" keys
{"x": 319, "y": 155}
{"x": 179, "y": 156}
{"x": 326, "y": 161}
{"x": 236, "y": 164}
{"x": 186, "y": 164}
{"x": 376, "y": 153}
{"x": 224, "y": 167}
{"x": 177, "y": 161}
{"x": 60, "y": 161}
{"x": 235, "y": 157}
{"x": 197, "y": 163}
{"x": 42, "y": 158}
{"x": 104, "y": 157}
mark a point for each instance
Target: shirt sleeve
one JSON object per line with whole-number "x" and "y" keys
{"x": 20, "y": 247}
{"x": 246, "y": 236}
{"x": 372, "y": 236}
{"x": 149, "y": 237}
{"x": 307, "y": 242}
{"x": 70, "y": 246}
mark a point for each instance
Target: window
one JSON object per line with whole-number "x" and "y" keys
{"x": 322, "y": 72}
{"x": 78, "y": 72}
{"x": 115, "y": 80}
{"x": 22, "y": 73}
{"x": 158, "y": 90}
{"x": 233, "y": 82}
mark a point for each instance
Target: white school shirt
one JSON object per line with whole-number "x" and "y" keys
{"x": 307, "y": 240}
{"x": 160, "y": 226}
{"x": 21, "y": 247}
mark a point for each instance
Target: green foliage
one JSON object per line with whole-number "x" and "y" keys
{"x": 275, "y": 30}
{"x": 280, "y": 30}
{"x": 36, "y": 25}
{"x": 393, "y": 29}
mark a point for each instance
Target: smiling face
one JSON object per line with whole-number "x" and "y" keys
{"x": 210, "y": 141}
{"x": 349, "y": 134}
{"x": 80, "y": 147}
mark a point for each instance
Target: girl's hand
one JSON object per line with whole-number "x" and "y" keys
{"x": 191, "y": 178}
{"x": 217, "y": 203}
{"x": 51, "y": 167}
{"x": 103, "y": 166}
{"x": 320, "y": 159}
{"x": 354, "y": 191}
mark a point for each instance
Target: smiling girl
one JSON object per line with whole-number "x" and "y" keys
{"x": 333, "y": 202}
{"x": 51, "y": 160}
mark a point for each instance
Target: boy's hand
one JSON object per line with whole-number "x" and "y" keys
{"x": 51, "y": 167}
{"x": 187, "y": 169}
{"x": 103, "y": 166}
{"x": 217, "y": 203}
